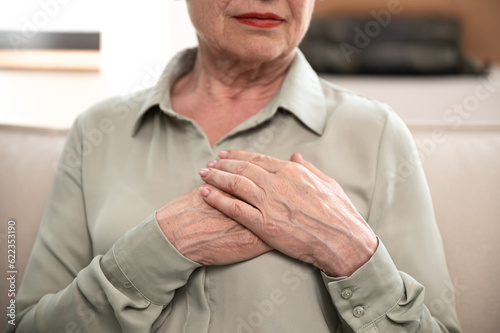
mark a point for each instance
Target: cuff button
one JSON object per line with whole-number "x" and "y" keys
{"x": 346, "y": 293}
{"x": 358, "y": 312}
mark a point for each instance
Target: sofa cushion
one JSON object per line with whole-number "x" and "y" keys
{"x": 26, "y": 171}
{"x": 462, "y": 166}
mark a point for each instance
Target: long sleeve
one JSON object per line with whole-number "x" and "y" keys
{"x": 405, "y": 286}
{"x": 65, "y": 288}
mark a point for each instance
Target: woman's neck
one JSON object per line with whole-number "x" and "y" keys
{"x": 222, "y": 79}
{"x": 220, "y": 94}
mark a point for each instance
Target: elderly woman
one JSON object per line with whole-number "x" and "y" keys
{"x": 236, "y": 235}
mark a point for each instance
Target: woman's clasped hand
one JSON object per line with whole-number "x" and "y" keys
{"x": 293, "y": 207}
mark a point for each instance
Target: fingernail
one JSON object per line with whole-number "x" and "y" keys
{"x": 204, "y": 172}
{"x": 299, "y": 155}
{"x": 204, "y": 191}
{"x": 212, "y": 164}
{"x": 224, "y": 154}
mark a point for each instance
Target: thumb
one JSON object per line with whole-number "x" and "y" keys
{"x": 297, "y": 158}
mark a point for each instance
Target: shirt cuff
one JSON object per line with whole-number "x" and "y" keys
{"x": 143, "y": 263}
{"x": 368, "y": 294}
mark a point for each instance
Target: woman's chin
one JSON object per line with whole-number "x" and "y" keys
{"x": 259, "y": 52}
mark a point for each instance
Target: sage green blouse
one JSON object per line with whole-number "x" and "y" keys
{"x": 102, "y": 264}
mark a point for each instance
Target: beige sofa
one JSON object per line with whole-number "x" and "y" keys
{"x": 462, "y": 167}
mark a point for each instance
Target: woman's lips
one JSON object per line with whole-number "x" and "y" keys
{"x": 260, "y": 20}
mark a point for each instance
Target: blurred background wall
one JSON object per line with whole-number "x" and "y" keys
{"x": 480, "y": 18}
{"x": 138, "y": 38}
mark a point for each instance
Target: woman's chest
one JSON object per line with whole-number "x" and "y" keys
{"x": 124, "y": 186}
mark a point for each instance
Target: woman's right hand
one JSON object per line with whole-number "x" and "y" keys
{"x": 204, "y": 235}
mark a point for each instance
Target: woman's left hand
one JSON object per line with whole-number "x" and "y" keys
{"x": 293, "y": 207}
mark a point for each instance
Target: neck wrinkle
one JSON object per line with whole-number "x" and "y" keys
{"x": 234, "y": 79}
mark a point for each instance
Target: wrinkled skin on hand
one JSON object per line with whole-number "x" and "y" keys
{"x": 293, "y": 207}
{"x": 205, "y": 235}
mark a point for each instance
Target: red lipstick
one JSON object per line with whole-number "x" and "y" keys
{"x": 260, "y": 20}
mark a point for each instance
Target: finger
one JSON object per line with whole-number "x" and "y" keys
{"x": 246, "y": 169}
{"x": 236, "y": 185}
{"x": 297, "y": 158}
{"x": 207, "y": 186}
{"x": 238, "y": 210}
{"x": 268, "y": 163}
